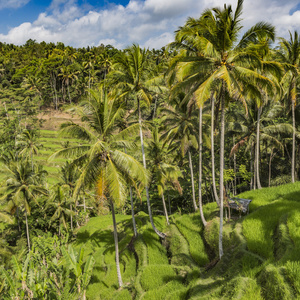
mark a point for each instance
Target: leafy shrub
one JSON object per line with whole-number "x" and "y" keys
{"x": 155, "y": 276}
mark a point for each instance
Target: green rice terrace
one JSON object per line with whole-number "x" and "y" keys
{"x": 261, "y": 259}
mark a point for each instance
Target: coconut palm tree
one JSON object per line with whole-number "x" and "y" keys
{"x": 289, "y": 54}
{"x": 28, "y": 144}
{"x": 224, "y": 62}
{"x": 21, "y": 189}
{"x": 162, "y": 171}
{"x": 180, "y": 132}
{"x": 59, "y": 199}
{"x": 103, "y": 162}
{"x": 131, "y": 78}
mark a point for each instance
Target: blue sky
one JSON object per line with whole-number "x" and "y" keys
{"x": 151, "y": 23}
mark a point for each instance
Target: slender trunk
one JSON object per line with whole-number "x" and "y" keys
{"x": 18, "y": 218}
{"x": 221, "y": 183}
{"x": 27, "y": 231}
{"x": 154, "y": 110}
{"x": 213, "y": 150}
{"x": 257, "y": 148}
{"x": 132, "y": 209}
{"x": 160, "y": 234}
{"x": 200, "y": 168}
{"x": 165, "y": 208}
{"x": 270, "y": 166}
{"x": 116, "y": 245}
{"x": 132, "y": 214}
{"x": 234, "y": 170}
{"x": 251, "y": 167}
{"x": 192, "y": 179}
{"x": 294, "y": 141}
{"x": 68, "y": 88}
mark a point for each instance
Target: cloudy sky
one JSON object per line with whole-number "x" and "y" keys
{"x": 150, "y": 23}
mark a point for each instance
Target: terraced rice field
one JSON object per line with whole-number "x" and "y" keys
{"x": 261, "y": 254}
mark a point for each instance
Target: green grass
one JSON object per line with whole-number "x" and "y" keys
{"x": 261, "y": 253}
{"x": 191, "y": 228}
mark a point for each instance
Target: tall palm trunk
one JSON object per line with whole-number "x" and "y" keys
{"x": 27, "y": 231}
{"x": 294, "y": 141}
{"x": 160, "y": 234}
{"x": 116, "y": 245}
{"x": 213, "y": 172}
{"x": 200, "y": 168}
{"x": 257, "y": 147}
{"x": 192, "y": 179}
{"x": 251, "y": 167}
{"x": 165, "y": 208}
{"x": 221, "y": 184}
{"x": 132, "y": 214}
{"x": 234, "y": 169}
{"x": 132, "y": 209}
{"x": 270, "y": 166}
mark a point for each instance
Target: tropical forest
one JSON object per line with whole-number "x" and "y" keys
{"x": 168, "y": 173}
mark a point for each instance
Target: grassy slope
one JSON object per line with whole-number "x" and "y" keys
{"x": 261, "y": 258}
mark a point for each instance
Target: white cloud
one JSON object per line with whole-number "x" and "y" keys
{"x": 12, "y": 3}
{"x": 150, "y": 23}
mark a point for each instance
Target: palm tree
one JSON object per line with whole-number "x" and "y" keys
{"x": 28, "y": 145}
{"x": 180, "y": 132}
{"x": 131, "y": 77}
{"x": 290, "y": 56}
{"x": 22, "y": 187}
{"x": 162, "y": 171}
{"x": 103, "y": 163}
{"x": 59, "y": 200}
{"x": 225, "y": 62}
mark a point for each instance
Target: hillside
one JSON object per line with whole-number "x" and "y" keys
{"x": 261, "y": 259}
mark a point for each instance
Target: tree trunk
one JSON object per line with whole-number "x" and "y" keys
{"x": 257, "y": 148}
{"x": 27, "y": 231}
{"x": 160, "y": 234}
{"x": 294, "y": 141}
{"x": 234, "y": 170}
{"x": 192, "y": 179}
{"x": 165, "y": 208}
{"x": 221, "y": 184}
{"x": 200, "y": 168}
{"x": 213, "y": 150}
{"x": 132, "y": 214}
{"x": 251, "y": 167}
{"x": 270, "y": 166}
{"x": 116, "y": 245}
